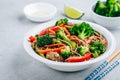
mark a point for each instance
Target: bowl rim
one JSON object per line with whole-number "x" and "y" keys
{"x": 54, "y": 9}
{"x": 30, "y": 51}
{"x": 92, "y": 10}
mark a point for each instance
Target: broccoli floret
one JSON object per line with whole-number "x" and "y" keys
{"x": 85, "y": 31}
{"x": 118, "y": 5}
{"x": 73, "y": 30}
{"x": 82, "y": 30}
{"x": 109, "y": 2}
{"x": 118, "y": 1}
{"x": 60, "y": 34}
{"x": 97, "y": 48}
{"x": 116, "y": 9}
{"x": 44, "y": 40}
{"x": 82, "y": 50}
{"x": 62, "y": 21}
{"x": 110, "y": 9}
{"x": 65, "y": 53}
{"x": 100, "y": 8}
{"x": 113, "y": 9}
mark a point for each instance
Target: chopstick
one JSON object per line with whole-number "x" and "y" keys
{"x": 104, "y": 64}
{"x": 106, "y": 71}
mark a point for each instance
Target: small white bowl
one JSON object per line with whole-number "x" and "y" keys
{"x": 108, "y": 22}
{"x": 62, "y": 66}
{"x": 40, "y": 12}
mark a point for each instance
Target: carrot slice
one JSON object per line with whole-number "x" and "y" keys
{"x": 74, "y": 38}
{"x": 44, "y": 51}
{"x": 58, "y": 49}
{"x": 52, "y": 48}
{"x": 51, "y": 31}
{"x": 61, "y": 25}
{"x": 71, "y": 25}
{"x": 67, "y": 32}
{"x": 67, "y": 26}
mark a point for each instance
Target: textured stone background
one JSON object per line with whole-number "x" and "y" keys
{"x": 15, "y": 63}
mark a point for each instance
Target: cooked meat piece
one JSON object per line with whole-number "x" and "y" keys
{"x": 54, "y": 56}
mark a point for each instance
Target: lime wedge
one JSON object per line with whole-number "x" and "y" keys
{"x": 72, "y": 12}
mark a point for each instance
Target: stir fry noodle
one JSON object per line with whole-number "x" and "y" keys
{"x": 69, "y": 42}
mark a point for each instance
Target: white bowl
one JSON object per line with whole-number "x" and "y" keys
{"x": 62, "y": 66}
{"x": 108, "y": 22}
{"x": 40, "y": 12}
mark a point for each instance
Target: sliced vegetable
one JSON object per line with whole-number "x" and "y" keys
{"x": 76, "y": 39}
{"x": 72, "y": 12}
{"x": 79, "y": 59}
{"x": 56, "y": 28}
{"x": 45, "y": 51}
{"x": 50, "y": 30}
{"x": 52, "y": 48}
{"x": 56, "y": 47}
{"x": 67, "y": 32}
{"x": 67, "y": 26}
{"x": 43, "y": 32}
{"x": 32, "y": 39}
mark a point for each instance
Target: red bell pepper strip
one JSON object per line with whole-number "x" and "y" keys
{"x": 32, "y": 39}
{"x": 43, "y": 32}
{"x": 55, "y": 28}
{"x": 49, "y": 30}
{"x": 79, "y": 59}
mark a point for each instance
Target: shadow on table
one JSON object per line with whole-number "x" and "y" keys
{"x": 21, "y": 18}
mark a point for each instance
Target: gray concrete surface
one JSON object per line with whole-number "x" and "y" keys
{"x": 16, "y": 64}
